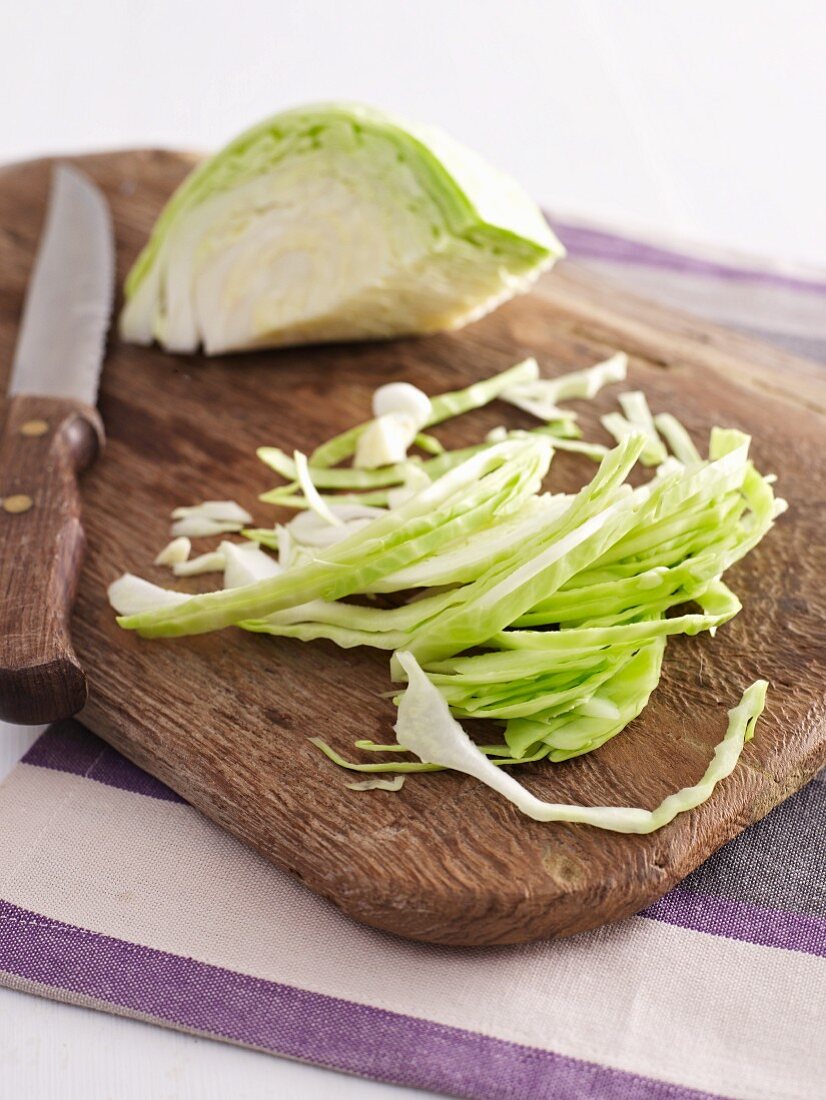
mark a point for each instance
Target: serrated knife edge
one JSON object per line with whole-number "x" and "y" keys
{"x": 68, "y": 304}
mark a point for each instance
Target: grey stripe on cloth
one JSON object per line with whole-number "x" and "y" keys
{"x": 779, "y": 863}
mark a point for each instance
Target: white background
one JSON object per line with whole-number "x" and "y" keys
{"x": 705, "y": 118}
{"x": 702, "y": 119}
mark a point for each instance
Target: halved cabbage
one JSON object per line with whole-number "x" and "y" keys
{"x": 333, "y": 222}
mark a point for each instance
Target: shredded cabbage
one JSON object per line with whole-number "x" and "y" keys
{"x": 462, "y": 500}
{"x": 539, "y": 397}
{"x": 677, "y": 438}
{"x": 131, "y": 595}
{"x": 426, "y": 728}
{"x": 222, "y": 511}
{"x": 545, "y": 613}
{"x": 401, "y": 410}
{"x": 213, "y": 517}
{"x": 311, "y": 494}
{"x": 444, "y": 407}
{"x": 175, "y": 552}
{"x": 384, "y": 441}
{"x": 202, "y": 527}
{"x": 394, "y": 784}
{"x": 402, "y": 399}
{"x": 211, "y": 562}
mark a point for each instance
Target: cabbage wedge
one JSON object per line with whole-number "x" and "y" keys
{"x": 333, "y": 222}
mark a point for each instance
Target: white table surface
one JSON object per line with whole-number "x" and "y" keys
{"x": 703, "y": 120}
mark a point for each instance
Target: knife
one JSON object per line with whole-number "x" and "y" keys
{"x": 52, "y": 433}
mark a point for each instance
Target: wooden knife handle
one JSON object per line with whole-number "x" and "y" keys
{"x": 46, "y": 444}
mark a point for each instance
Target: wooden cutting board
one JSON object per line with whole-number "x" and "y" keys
{"x": 224, "y": 719}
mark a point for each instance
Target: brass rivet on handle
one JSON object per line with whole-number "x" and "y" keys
{"x": 34, "y": 427}
{"x": 17, "y": 504}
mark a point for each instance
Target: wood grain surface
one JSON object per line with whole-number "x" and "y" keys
{"x": 224, "y": 719}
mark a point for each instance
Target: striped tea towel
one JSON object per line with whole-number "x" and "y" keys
{"x": 117, "y": 895}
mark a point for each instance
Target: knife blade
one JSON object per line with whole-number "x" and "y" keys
{"x": 69, "y": 300}
{"x": 52, "y": 433}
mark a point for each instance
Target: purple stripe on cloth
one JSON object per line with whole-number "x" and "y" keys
{"x": 69, "y": 747}
{"x": 65, "y": 747}
{"x": 738, "y": 920}
{"x": 330, "y": 1031}
{"x": 594, "y": 244}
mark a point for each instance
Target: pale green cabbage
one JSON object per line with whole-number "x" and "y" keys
{"x": 426, "y": 728}
{"x": 546, "y": 614}
{"x": 333, "y": 222}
